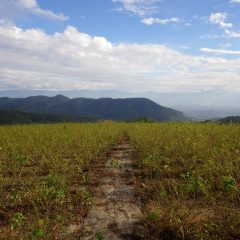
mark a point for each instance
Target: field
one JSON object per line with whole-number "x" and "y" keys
{"x": 44, "y": 175}
{"x": 188, "y": 177}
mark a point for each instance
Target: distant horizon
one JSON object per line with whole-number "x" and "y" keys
{"x": 194, "y": 105}
{"x": 111, "y": 93}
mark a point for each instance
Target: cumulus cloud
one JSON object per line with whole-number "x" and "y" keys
{"x": 151, "y": 21}
{"x": 138, "y": 7}
{"x": 220, "y": 19}
{"x": 32, "y": 59}
{"x": 12, "y": 7}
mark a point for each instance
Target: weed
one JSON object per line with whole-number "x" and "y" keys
{"x": 152, "y": 216}
{"x": 229, "y": 184}
{"x": 115, "y": 163}
{"x": 99, "y": 236}
{"x": 37, "y": 233}
{"x": 17, "y": 221}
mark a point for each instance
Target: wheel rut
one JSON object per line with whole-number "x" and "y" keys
{"x": 115, "y": 213}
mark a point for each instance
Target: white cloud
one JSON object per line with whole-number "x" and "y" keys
{"x": 12, "y": 7}
{"x": 227, "y": 34}
{"x": 151, "y": 21}
{"x": 220, "y": 51}
{"x": 28, "y": 3}
{"x": 139, "y": 7}
{"x": 220, "y": 19}
{"x": 232, "y": 34}
{"x": 32, "y": 59}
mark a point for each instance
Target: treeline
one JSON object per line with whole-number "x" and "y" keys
{"x": 19, "y": 117}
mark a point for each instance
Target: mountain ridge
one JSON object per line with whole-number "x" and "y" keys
{"x": 103, "y": 108}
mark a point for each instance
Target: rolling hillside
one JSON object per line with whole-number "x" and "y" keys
{"x": 230, "y": 119}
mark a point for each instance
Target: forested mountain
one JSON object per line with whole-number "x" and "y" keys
{"x": 103, "y": 108}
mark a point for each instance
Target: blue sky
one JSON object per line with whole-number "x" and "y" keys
{"x": 109, "y": 19}
{"x": 134, "y": 45}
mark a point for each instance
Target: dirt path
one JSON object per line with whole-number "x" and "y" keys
{"x": 115, "y": 213}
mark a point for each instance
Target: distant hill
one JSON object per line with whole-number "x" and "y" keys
{"x": 230, "y": 119}
{"x": 103, "y": 108}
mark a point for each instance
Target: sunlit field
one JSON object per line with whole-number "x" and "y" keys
{"x": 191, "y": 179}
{"x": 44, "y": 174}
{"x": 188, "y": 177}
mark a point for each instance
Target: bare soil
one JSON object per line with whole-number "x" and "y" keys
{"x": 116, "y": 212}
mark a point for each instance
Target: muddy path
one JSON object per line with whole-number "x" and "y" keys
{"x": 115, "y": 213}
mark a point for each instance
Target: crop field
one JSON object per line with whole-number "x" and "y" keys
{"x": 188, "y": 177}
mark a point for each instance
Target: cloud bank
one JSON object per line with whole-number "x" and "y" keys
{"x": 32, "y": 59}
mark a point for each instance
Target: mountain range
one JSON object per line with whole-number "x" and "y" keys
{"x": 87, "y": 108}
{"x": 199, "y": 105}
{"x": 208, "y": 99}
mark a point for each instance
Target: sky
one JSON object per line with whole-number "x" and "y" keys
{"x": 128, "y": 45}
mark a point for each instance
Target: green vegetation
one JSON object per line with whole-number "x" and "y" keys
{"x": 18, "y": 117}
{"x": 99, "y": 236}
{"x": 189, "y": 177}
{"x": 44, "y": 175}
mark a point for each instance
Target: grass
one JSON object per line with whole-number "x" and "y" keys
{"x": 189, "y": 182}
{"x": 44, "y": 175}
{"x": 191, "y": 178}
